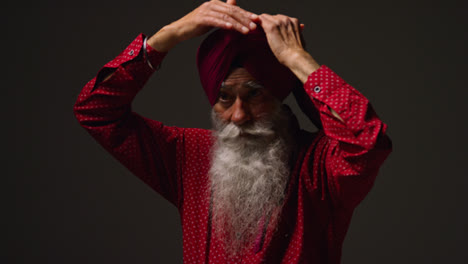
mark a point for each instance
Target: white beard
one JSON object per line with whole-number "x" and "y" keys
{"x": 249, "y": 174}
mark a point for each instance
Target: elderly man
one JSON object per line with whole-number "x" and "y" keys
{"x": 256, "y": 188}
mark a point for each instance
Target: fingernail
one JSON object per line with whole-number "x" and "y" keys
{"x": 245, "y": 29}
{"x": 253, "y": 16}
{"x": 252, "y": 25}
{"x": 228, "y": 24}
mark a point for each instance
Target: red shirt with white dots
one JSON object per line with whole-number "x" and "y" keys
{"x": 334, "y": 168}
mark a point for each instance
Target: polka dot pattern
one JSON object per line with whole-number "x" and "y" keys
{"x": 335, "y": 167}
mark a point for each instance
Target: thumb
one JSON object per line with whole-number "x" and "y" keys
{"x": 231, "y": 2}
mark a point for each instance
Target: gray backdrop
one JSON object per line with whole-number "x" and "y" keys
{"x": 68, "y": 201}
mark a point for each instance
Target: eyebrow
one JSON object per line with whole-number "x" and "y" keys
{"x": 249, "y": 84}
{"x": 254, "y": 85}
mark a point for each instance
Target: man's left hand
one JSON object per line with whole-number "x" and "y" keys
{"x": 285, "y": 39}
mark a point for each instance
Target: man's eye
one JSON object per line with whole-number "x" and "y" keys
{"x": 223, "y": 96}
{"x": 255, "y": 92}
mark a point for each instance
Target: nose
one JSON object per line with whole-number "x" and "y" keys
{"x": 240, "y": 112}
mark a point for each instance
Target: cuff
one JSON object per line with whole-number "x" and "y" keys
{"x": 134, "y": 62}
{"x": 322, "y": 83}
{"x": 154, "y": 57}
{"x": 134, "y": 50}
{"x": 128, "y": 54}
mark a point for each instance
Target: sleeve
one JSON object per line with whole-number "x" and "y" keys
{"x": 347, "y": 155}
{"x": 146, "y": 147}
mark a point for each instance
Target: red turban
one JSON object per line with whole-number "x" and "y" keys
{"x": 224, "y": 48}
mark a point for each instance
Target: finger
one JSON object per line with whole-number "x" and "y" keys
{"x": 247, "y": 18}
{"x": 297, "y": 29}
{"x": 216, "y": 22}
{"x": 267, "y": 22}
{"x": 301, "y": 36}
{"x": 240, "y": 15}
{"x": 231, "y": 2}
{"x": 285, "y": 26}
{"x": 233, "y": 8}
{"x": 231, "y": 23}
{"x": 291, "y": 31}
{"x": 298, "y": 32}
{"x": 270, "y": 26}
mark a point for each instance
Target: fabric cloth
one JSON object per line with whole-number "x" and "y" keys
{"x": 223, "y": 48}
{"x": 334, "y": 168}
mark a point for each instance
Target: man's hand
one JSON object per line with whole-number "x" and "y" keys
{"x": 210, "y": 14}
{"x": 284, "y": 36}
{"x": 285, "y": 39}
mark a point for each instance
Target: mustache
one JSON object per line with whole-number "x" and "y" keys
{"x": 257, "y": 129}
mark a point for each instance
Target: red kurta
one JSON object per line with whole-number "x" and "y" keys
{"x": 335, "y": 167}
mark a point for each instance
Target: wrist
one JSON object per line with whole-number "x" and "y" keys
{"x": 165, "y": 39}
{"x": 302, "y": 64}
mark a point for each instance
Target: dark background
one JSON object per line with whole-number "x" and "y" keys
{"x": 67, "y": 201}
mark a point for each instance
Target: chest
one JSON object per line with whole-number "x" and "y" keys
{"x": 304, "y": 219}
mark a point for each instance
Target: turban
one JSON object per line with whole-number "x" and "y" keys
{"x": 224, "y": 48}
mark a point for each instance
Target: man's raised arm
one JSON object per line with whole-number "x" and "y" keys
{"x": 353, "y": 143}
{"x": 146, "y": 147}
{"x": 103, "y": 108}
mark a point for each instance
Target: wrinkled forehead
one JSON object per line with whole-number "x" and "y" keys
{"x": 240, "y": 76}
{"x": 250, "y": 85}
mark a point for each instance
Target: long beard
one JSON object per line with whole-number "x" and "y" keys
{"x": 249, "y": 174}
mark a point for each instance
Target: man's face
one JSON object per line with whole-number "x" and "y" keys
{"x": 242, "y": 100}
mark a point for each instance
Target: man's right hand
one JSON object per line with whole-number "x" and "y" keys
{"x": 210, "y": 14}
